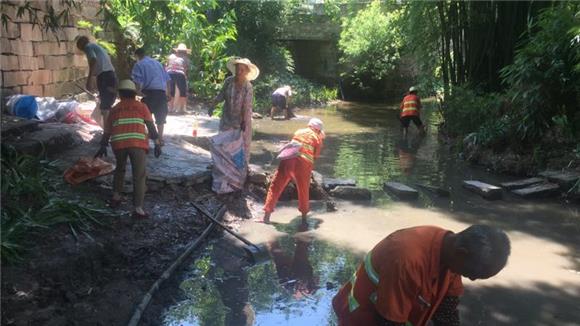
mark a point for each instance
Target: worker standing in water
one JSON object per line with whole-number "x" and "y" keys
{"x": 297, "y": 162}
{"x": 411, "y": 111}
{"x": 413, "y": 276}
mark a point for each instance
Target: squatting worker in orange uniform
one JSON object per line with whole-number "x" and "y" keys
{"x": 413, "y": 276}
{"x": 125, "y": 126}
{"x": 297, "y": 168}
{"x": 411, "y": 111}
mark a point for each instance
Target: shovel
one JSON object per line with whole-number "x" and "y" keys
{"x": 256, "y": 254}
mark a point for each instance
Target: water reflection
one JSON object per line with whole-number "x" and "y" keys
{"x": 295, "y": 272}
{"x": 224, "y": 290}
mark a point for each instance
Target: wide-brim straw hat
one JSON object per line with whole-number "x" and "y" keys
{"x": 127, "y": 85}
{"x": 182, "y": 47}
{"x": 252, "y": 74}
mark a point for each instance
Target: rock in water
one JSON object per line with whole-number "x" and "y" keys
{"x": 485, "y": 190}
{"x": 352, "y": 193}
{"x": 330, "y": 184}
{"x": 539, "y": 190}
{"x": 565, "y": 180}
{"x": 400, "y": 190}
{"x": 518, "y": 184}
{"x": 258, "y": 175}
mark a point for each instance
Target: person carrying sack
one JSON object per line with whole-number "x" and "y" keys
{"x": 297, "y": 162}
{"x": 125, "y": 127}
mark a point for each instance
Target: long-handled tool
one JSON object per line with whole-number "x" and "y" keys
{"x": 256, "y": 254}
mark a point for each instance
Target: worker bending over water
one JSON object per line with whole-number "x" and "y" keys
{"x": 297, "y": 164}
{"x": 413, "y": 276}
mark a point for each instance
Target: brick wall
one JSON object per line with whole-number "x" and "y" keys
{"x": 41, "y": 63}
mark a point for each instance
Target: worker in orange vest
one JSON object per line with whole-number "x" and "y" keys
{"x": 411, "y": 111}
{"x": 297, "y": 162}
{"x": 413, "y": 276}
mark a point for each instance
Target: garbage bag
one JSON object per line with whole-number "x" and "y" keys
{"x": 87, "y": 168}
{"x": 23, "y": 106}
{"x": 229, "y": 161}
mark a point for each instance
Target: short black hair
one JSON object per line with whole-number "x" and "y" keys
{"x": 127, "y": 93}
{"x": 82, "y": 40}
{"x": 140, "y": 52}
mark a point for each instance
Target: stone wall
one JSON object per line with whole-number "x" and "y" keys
{"x": 38, "y": 62}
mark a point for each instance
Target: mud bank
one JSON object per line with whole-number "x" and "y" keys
{"x": 100, "y": 277}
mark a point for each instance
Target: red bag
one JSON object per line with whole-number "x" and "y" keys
{"x": 87, "y": 168}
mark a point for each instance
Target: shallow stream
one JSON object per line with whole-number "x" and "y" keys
{"x": 540, "y": 285}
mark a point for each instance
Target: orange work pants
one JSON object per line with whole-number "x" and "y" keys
{"x": 297, "y": 169}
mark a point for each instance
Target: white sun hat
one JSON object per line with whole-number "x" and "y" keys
{"x": 254, "y": 71}
{"x": 412, "y": 89}
{"x": 182, "y": 47}
{"x": 315, "y": 123}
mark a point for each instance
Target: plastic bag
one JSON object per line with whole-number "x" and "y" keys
{"x": 290, "y": 150}
{"x": 87, "y": 168}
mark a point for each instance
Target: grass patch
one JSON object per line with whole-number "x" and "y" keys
{"x": 33, "y": 200}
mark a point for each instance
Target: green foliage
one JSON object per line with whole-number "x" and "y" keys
{"x": 370, "y": 43}
{"x": 30, "y": 203}
{"x": 542, "y": 80}
{"x": 161, "y": 25}
{"x": 305, "y": 92}
{"x": 466, "y": 111}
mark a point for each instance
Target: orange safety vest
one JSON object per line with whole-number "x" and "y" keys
{"x": 310, "y": 141}
{"x": 410, "y": 105}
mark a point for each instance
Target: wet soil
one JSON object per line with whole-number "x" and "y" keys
{"x": 99, "y": 277}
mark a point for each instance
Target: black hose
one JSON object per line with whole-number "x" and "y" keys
{"x": 169, "y": 271}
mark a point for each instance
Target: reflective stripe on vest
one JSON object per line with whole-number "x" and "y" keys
{"x": 307, "y": 150}
{"x": 352, "y": 303}
{"x": 127, "y": 121}
{"x": 371, "y": 273}
{"x": 128, "y": 135}
{"x": 409, "y": 106}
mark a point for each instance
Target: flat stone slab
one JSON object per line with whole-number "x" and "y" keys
{"x": 401, "y": 190}
{"x": 483, "y": 189}
{"x": 329, "y": 184}
{"x": 563, "y": 178}
{"x": 180, "y": 162}
{"x": 518, "y": 184}
{"x": 351, "y": 193}
{"x": 542, "y": 190}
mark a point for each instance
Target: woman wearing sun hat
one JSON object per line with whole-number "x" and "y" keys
{"x": 230, "y": 148}
{"x": 177, "y": 68}
{"x": 238, "y": 94}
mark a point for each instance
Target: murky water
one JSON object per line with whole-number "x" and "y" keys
{"x": 540, "y": 286}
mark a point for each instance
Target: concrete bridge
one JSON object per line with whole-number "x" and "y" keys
{"x": 313, "y": 41}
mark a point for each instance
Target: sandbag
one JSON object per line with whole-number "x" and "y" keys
{"x": 87, "y": 168}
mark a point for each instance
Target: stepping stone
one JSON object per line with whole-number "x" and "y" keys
{"x": 402, "y": 191}
{"x": 485, "y": 190}
{"x": 330, "y": 184}
{"x": 541, "y": 190}
{"x": 566, "y": 180}
{"x": 352, "y": 193}
{"x": 518, "y": 184}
